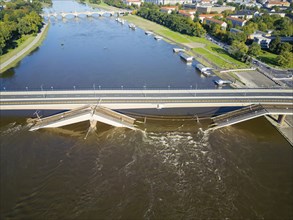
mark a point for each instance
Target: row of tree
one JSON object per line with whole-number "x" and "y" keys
{"x": 120, "y": 4}
{"x": 173, "y": 21}
{"x": 18, "y": 18}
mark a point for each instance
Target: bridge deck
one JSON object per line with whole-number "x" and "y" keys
{"x": 91, "y": 113}
{"x": 249, "y": 112}
{"x": 137, "y": 99}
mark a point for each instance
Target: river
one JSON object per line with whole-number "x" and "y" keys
{"x": 169, "y": 169}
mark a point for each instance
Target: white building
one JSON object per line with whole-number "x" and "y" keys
{"x": 132, "y": 2}
{"x": 167, "y": 2}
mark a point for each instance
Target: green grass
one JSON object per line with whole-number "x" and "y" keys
{"x": 12, "y": 52}
{"x": 224, "y": 54}
{"x": 270, "y": 59}
{"x": 21, "y": 45}
{"x": 216, "y": 60}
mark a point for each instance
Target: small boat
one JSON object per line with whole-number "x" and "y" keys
{"x": 177, "y": 50}
{"x": 186, "y": 57}
{"x": 132, "y": 26}
{"x": 206, "y": 73}
{"x": 149, "y": 33}
{"x": 157, "y": 37}
{"x": 221, "y": 82}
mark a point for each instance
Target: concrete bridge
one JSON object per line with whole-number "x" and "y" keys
{"x": 87, "y": 13}
{"x": 280, "y": 100}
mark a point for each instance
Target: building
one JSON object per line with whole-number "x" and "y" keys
{"x": 257, "y": 34}
{"x": 264, "y": 42}
{"x": 281, "y": 14}
{"x": 203, "y": 16}
{"x": 264, "y": 39}
{"x": 244, "y": 14}
{"x": 132, "y": 2}
{"x": 169, "y": 9}
{"x": 236, "y": 21}
{"x": 192, "y": 6}
{"x": 210, "y": 21}
{"x": 208, "y": 9}
{"x": 187, "y": 13}
{"x": 270, "y": 4}
{"x": 169, "y": 2}
{"x": 235, "y": 31}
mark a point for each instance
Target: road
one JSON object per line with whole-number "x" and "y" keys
{"x": 137, "y": 99}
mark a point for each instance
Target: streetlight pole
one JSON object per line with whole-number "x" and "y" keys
{"x": 42, "y": 90}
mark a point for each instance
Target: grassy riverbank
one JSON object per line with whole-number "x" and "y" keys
{"x": 22, "y": 44}
{"x": 200, "y": 46}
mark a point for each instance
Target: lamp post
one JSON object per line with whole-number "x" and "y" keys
{"x": 42, "y": 90}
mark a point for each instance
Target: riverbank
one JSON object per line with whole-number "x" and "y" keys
{"x": 205, "y": 51}
{"x": 10, "y": 59}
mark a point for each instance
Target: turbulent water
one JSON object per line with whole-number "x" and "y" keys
{"x": 167, "y": 169}
{"x": 176, "y": 171}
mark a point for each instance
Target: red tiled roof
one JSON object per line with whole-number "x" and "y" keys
{"x": 169, "y": 7}
{"x": 277, "y": 3}
{"x": 187, "y": 11}
{"x": 235, "y": 19}
{"x": 215, "y": 21}
{"x": 210, "y": 15}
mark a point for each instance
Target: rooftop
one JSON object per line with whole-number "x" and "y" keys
{"x": 215, "y": 21}
{"x": 235, "y": 19}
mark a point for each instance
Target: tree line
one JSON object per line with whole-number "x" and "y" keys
{"x": 120, "y": 4}
{"x": 174, "y": 21}
{"x": 19, "y": 18}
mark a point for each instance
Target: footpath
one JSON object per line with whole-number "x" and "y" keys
{"x": 25, "y": 50}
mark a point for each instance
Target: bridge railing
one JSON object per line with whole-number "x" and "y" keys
{"x": 121, "y": 88}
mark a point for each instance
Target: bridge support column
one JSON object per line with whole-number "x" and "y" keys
{"x": 281, "y": 119}
{"x": 93, "y": 124}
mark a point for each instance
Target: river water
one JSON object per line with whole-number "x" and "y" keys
{"x": 169, "y": 169}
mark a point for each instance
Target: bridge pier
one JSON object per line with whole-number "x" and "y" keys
{"x": 93, "y": 124}
{"x": 281, "y": 119}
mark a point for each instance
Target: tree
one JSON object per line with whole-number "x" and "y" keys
{"x": 285, "y": 59}
{"x": 262, "y": 26}
{"x": 285, "y": 47}
{"x": 238, "y": 50}
{"x": 254, "y": 49}
{"x": 29, "y": 23}
{"x": 198, "y": 30}
{"x": 275, "y": 44}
